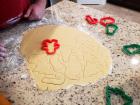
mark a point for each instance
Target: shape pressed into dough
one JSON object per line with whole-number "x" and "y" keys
{"x": 80, "y": 60}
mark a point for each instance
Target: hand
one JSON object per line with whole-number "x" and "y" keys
{"x": 2, "y": 52}
{"x": 35, "y": 11}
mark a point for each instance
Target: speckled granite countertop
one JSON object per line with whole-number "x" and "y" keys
{"x": 20, "y": 89}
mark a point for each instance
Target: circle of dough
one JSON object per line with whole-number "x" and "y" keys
{"x": 80, "y": 60}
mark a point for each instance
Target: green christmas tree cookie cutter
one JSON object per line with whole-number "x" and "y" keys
{"x": 117, "y": 91}
{"x": 108, "y": 32}
{"x": 126, "y": 49}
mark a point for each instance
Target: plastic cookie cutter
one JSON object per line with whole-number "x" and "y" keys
{"x": 117, "y": 91}
{"x": 135, "y": 49}
{"x": 109, "y": 32}
{"x": 45, "y": 46}
{"x": 90, "y": 20}
{"x": 107, "y": 20}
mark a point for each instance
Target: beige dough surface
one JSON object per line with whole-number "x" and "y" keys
{"x": 80, "y": 60}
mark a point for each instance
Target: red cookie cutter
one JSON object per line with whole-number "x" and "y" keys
{"x": 111, "y": 21}
{"x": 45, "y": 44}
{"x": 91, "y": 20}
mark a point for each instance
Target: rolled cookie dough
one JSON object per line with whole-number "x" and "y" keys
{"x": 81, "y": 59}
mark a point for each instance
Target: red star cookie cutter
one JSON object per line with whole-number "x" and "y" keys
{"x": 91, "y": 20}
{"x": 110, "y": 19}
{"x": 45, "y": 46}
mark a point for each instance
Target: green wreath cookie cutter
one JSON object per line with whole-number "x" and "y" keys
{"x": 117, "y": 91}
{"x": 126, "y": 49}
{"x": 115, "y": 28}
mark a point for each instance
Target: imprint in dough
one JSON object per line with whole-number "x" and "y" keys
{"x": 80, "y": 60}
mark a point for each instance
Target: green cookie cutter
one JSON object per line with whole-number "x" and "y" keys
{"x": 115, "y": 27}
{"x": 117, "y": 91}
{"x": 126, "y": 49}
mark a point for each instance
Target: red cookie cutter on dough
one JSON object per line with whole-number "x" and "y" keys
{"x": 91, "y": 20}
{"x": 45, "y": 46}
{"x": 111, "y": 21}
